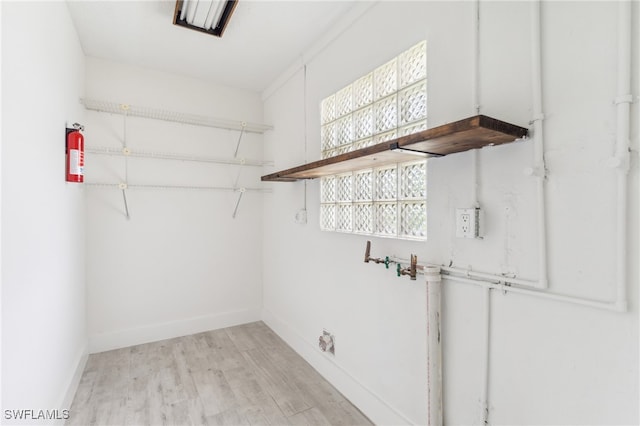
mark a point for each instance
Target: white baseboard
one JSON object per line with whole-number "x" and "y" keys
{"x": 371, "y": 404}
{"x": 74, "y": 380}
{"x": 153, "y": 333}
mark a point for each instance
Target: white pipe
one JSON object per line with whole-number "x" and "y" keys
{"x": 621, "y": 159}
{"x": 486, "y": 351}
{"x": 471, "y": 274}
{"x": 476, "y": 95}
{"x": 475, "y": 89}
{"x": 476, "y": 179}
{"x": 434, "y": 341}
{"x": 539, "y": 167}
{"x": 484, "y": 391}
{"x": 513, "y": 285}
{"x": 505, "y": 288}
{"x": 488, "y": 276}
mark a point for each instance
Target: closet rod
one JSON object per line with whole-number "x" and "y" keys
{"x": 187, "y": 187}
{"x": 172, "y": 156}
{"x": 175, "y": 116}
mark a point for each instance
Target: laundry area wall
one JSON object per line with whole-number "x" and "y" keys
{"x": 549, "y": 361}
{"x": 180, "y": 263}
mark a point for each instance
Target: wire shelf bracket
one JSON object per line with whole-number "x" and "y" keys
{"x": 127, "y": 110}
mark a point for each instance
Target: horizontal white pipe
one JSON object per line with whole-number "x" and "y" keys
{"x": 545, "y": 294}
{"x": 493, "y": 277}
{"x": 504, "y": 284}
{"x": 469, "y": 273}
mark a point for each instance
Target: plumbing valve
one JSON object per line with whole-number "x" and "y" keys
{"x": 412, "y": 270}
{"x": 368, "y": 258}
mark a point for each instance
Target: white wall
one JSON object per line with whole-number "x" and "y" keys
{"x": 181, "y": 264}
{"x": 551, "y": 362}
{"x": 43, "y": 225}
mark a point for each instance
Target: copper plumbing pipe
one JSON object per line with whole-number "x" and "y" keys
{"x": 367, "y": 252}
{"x": 367, "y": 256}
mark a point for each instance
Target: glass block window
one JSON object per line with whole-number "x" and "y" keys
{"x": 388, "y": 102}
{"x": 343, "y": 191}
{"x": 389, "y": 201}
{"x": 363, "y": 185}
{"x": 363, "y": 218}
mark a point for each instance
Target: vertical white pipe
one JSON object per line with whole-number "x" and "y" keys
{"x": 539, "y": 167}
{"x": 486, "y": 352}
{"x": 304, "y": 96}
{"x": 476, "y": 95}
{"x": 476, "y": 178}
{"x": 475, "y": 88}
{"x": 622, "y": 156}
{"x": 434, "y": 342}
{"x": 484, "y": 394}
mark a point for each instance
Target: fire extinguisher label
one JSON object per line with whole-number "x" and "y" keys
{"x": 76, "y": 162}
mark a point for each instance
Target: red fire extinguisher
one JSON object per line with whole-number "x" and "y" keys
{"x": 75, "y": 154}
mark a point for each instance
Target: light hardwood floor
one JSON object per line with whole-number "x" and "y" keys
{"x": 244, "y": 375}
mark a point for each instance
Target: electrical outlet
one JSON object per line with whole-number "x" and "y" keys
{"x": 468, "y": 223}
{"x": 327, "y": 342}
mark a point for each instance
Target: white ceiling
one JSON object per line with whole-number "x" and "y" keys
{"x": 263, "y": 38}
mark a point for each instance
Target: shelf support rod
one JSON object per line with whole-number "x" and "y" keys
{"x": 123, "y": 187}
{"x": 235, "y": 184}
{"x": 244, "y": 125}
{"x": 235, "y": 210}
{"x": 126, "y": 152}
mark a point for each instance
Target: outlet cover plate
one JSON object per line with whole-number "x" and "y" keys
{"x": 468, "y": 223}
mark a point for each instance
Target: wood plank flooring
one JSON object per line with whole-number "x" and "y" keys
{"x": 243, "y": 375}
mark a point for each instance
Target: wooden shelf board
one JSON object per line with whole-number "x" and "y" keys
{"x": 470, "y": 133}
